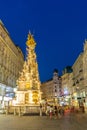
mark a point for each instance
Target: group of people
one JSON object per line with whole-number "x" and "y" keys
{"x": 54, "y": 111}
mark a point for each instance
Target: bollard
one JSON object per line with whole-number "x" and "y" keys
{"x": 6, "y": 111}
{"x": 40, "y": 111}
{"x": 14, "y": 111}
{"x": 19, "y": 110}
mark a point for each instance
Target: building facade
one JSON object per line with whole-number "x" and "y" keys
{"x": 75, "y": 83}
{"x": 85, "y": 66}
{"x": 11, "y": 62}
{"x": 85, "y": 73}
{"x": 78, "y": 80}
{"x": 66, "y": 85}
{"x": 47, "y": 91}
{"x": 51, "y": 89}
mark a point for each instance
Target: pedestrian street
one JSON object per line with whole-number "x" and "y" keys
{"x": 67, "y": 122}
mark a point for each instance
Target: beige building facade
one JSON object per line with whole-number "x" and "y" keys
{"x": 47, "y": 91}
{"x": 11, "y": 62}
{"x": 85, "y": 73}
{"x": 78, "y": 80}
{"x": 51, "y": 89}
{"x": 85, "y": 66}
{"x": 66, "y": 88}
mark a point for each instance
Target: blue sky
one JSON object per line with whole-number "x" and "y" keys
{"x": 59, "y": 28}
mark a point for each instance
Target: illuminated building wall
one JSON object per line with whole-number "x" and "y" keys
{"x": 47, "y": 90}
{"x": 85, "y": 66}
{"x": 78, "y": 77}
{"x": 85, "y": 75}
{"x": 76, "y": 82}
{"x": 11, "y": 61}
{"x": 51, "y": 89}
{"x": 66, "y": 85}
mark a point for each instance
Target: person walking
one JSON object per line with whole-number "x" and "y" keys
{"x": 55, "y": 112}
{"x": 51, "y": 112}
{"x": 48, "y": 110}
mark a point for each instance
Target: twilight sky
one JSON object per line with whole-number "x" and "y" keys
{"x": 59, "y": 28}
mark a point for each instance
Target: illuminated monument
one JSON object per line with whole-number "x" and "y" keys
{"x": 28, "y": 84}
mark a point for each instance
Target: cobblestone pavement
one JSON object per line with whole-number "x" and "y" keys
{"x": 67, "y": 122}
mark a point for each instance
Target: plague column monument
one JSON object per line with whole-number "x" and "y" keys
{"x": 28, "y": 85}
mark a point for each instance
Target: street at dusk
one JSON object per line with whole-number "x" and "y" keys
{"x": 68, "y": 122}
{"x": 43, "y": 65}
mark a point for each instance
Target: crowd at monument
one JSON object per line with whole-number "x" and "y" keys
{"x": 56, "y": 112}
